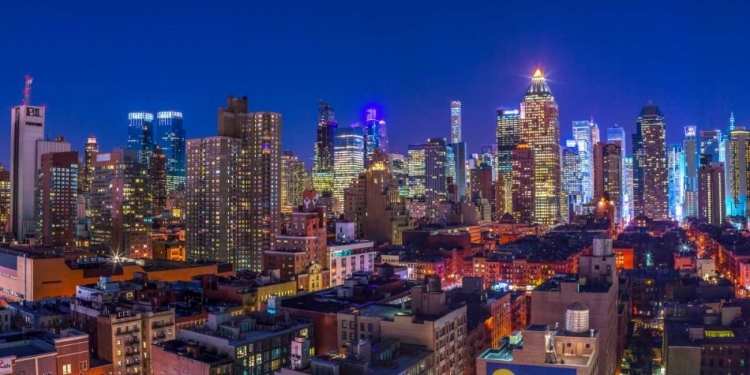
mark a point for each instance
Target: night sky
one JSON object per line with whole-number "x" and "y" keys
{"x": 94, "y": 61}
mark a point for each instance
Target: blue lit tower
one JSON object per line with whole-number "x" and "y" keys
{"x": 141, "y": 134}
{"x": 691, "y": 173}
{"x": 676, "y": 181}
{"x": 170, "y": 137}
{"x": 373, "y": 124}
{"x": 582, "y": 133}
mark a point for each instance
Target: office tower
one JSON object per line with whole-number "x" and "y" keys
{"x": 710, "y": 146}
{"x": 416, "y": 171}
{"x": 608, "y": 175}
{"x": 507, "y": 134}
{"x": 348, "y": 161}
{"x": 157, "y": 176}
{"x": 428, "y": 172}
{"x": 582, "y": 135}
{"x": 628, "y": 193}
{"x": 571, "y": 178}
{"x": 459, "y": 166}
{"x": 27, "y": 127}
{"x": 400, "y": 169}
{"x": 711, "y": 193}
{"x": 86, "y": 171}
{"x": 737, "y": 172}
{"x": 450, "y": 165}
{"x": 650, "y": 164}
{"x": 56, "y": 202}
{"x": 121, "y": 204}
{"x": 216, "y": 227}
{"x": 250, "y": 151}
{"x": 540, "y": 129}
{"x": 523, "y": 178}
{"x": 676, "y": 181}
{"x": 383, "y": 135}
{"x": 481, "y": 183}
{"x": 691, "y": 173}
{"x": 323, "y": 168}
{"x": 373, "y": 203}
{"x": 4, "y": 199}
{"x": 294, "y": 181}
{"x": 595, "y": 136}
{"x": 616, "y": 135}
{"x": 170, "y": 137}
{"x": 141, "y": 134}
{"x": 373, "y": 139}
{"x": 455, "y": 121}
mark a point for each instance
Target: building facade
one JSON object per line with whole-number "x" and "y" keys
{"x": 690, "y": 208}
{"x": 523, "y": 189}
{"x": 57, "y": 199}
{"x": 158, "y": 177}
{"x": 608, "y": 175}
{"x": 650, "y": 180}
{"x": 170, "y": 137}
{"x": 27, "y": 127}
{"x": 711, "y": 192}
{"x": 507, "y": 133}
{"x": 141, "y": 135}
{"x": 323, "y": 167}
{"x": 348, "y": 161}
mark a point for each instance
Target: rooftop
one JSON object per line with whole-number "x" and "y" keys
{"x": 183, "y": 348}
{"x": 584, "y": 285}
{"x": 686, "y": 334}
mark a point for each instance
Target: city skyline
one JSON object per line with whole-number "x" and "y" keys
{"x": 620, "y": 75}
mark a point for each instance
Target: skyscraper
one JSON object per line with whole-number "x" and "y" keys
{"x": 523, "y": 183}
{"x": 56, "y": 201}
{"x": 628, "y": 201}
{"x": 120, "y": 204}
{"x": 455, "y": 121}
{"x": 507, "y": 134}
{"x": 294, "y": 181}
{"x": 676, "y": 181}
{"x": 348, "y": 161}
{"x": 4, "y": 199}
{"x": 459, "y": 166}
{"x": 710, "y": 145}
{"x": 737, "y": 172}
{"x": 595, "y": 135}
{"x": 571, "y": 177}
{"x": 170, "y": 137}
{"x": 323, "y": 167}
{"x": 691, "y": 173}
{"x": 711, "y": 193}
{"x": 86, "y": 171}
{"x": 250, "y": 141}
{"x": 27, "y": 127}
{"x": 481, "y": 183}
{"x": 582, "y": 133}
{"x": 373, "y": 138}
{"x": 540, "y": 128}
{"x": 427, "y": 172}
{"x": 616, "y": 135}
{"x": 608, "y": 175}
{"x": 650, "y": 164}
{"x": 416, "y": 170}
{"x": 157, "y": 177}
{"x": 141, "y": 134}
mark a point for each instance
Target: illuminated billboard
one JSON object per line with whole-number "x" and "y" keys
{"x": 500, "y": 368}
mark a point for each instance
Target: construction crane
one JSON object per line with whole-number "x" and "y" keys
{"x": 27, "y": 90}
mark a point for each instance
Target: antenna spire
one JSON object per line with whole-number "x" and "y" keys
{"x": 27, "y": 90}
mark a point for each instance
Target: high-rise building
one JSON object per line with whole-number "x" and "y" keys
{"x": 428, "y": 164}
{"x": 582, "y": 134}
{"x": 86, "y": 171}
{"x": 691, "y": 173}
{"x": 250, "y": 144}
{"x": 4, "y": 199}
{"x": 141, "y": 134}
{"x": 481, "y": 183}
{"x": 540, "y": 128}
{"x": 170, "y": 137}
{"x": 628, "y": 194}
{"x": 676, "y": 181}
{"x": 595, "y": 135}
{"x": 373, "y": 203}
{"x": 294, "y": 180}
{"x": 372, "y": 130}
{"x": 650, "y": 164}
{"x": 617, "y": 136}
{"x": 323, "y": 167}
{"x": 56, "y": 202}
{"x": 711, "y": 193}
{"x": 737, "y": 172}
{"x": 608, "y": 175}
{"x": 455, "y": 121}
{"x": 571, "y": 177}
{"x": 158, "y": 177}
{"x": 710, "y": 146}
{"x": 348, "y": 161}
{"x": 507, "y": 134}
{"x": 27, "y": 127}
{"x": 400, "y": 169}
{"x": 523, "y": 188}
{"x": 459, "y": 166}
{"x": 215, "y": 221}
{"x": 121, "y": 204}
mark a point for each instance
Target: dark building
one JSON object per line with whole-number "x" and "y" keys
{"x": 157, "y": 173}
{"x": 57, "y": 199}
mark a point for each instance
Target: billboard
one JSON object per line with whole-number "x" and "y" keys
{"x": 499, "y": 368}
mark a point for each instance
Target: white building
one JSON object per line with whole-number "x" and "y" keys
{"x": 27, "y": 128}
{"x": 347, "y": 255}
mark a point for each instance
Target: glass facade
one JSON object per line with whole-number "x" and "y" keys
{"x": 349, "y": 161}
{"x": 141, "y": 134}
{"x": 169, "y": 135}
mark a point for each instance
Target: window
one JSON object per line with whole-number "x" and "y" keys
{"x": 343, "y": 324}
{"x": 67, "y": 369}
{"x": 343, "y": 335}
{"x": 351, "y": 324}
{"x": 369, "y": 327}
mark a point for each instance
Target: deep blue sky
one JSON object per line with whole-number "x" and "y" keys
{"x": 94, "y": 61}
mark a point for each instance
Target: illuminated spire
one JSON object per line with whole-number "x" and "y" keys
{"x": 538, "y": 85}
{"x": 731, "y": 121}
